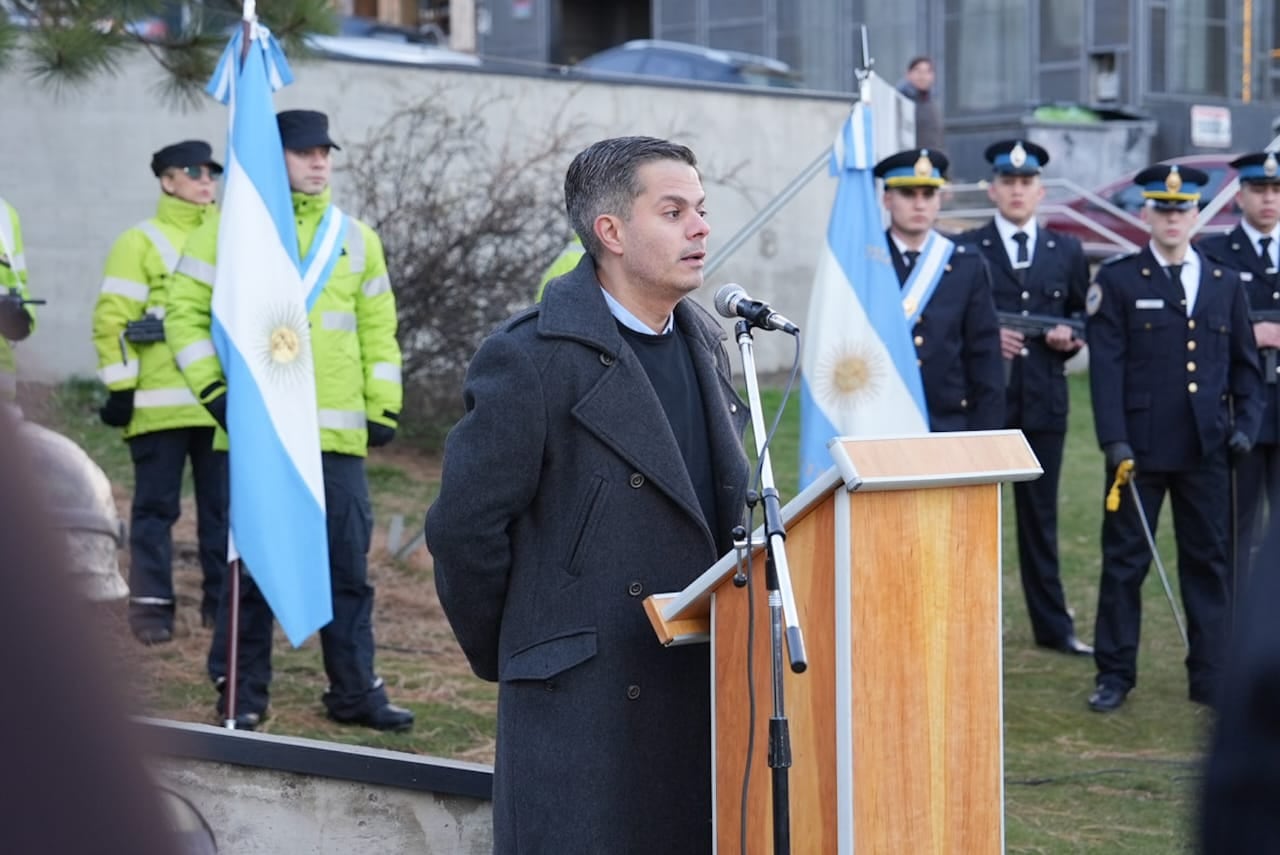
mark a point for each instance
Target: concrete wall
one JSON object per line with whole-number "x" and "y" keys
{"x": 269, "y": 795}
{"x": 75, "y": 166}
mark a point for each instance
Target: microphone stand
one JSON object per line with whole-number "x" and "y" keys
{"x": 782, "y": 603}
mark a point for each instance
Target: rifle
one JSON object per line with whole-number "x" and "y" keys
{"x": 1037, "y": 326}
{"x": 1267, "y": 316}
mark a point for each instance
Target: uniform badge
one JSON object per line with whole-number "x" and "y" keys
{"x": 1173, "y": 183}
{"x": 1269, "y": 166}
{"x": 1093, "y": 299}
{"x": 1246, "y": 276}
{"x": 1017, "y": 155}
{"x": 924, "y": 166}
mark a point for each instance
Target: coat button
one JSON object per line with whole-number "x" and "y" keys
{"x": 635, "y": 589}
{"x": 733, "y": 408}
{"x": 633, "y": 692}
{"x": 1192, "y": 387}
{"x": 1191, "y": 366}
{"x": 637, "y": 480}
{"x": 606, "y": 359}
{"x": 1275, "y": 295}
{"x": 919, "y": 340}
{"x": 1191, "y": 323}
{"x": 964, "y": 403}
{"x": 1026, "y": 295}
{"x": 549, "y": 685}
{"x": 1191, "y": 345}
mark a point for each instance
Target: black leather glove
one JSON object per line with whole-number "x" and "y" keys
{"x": 15, "y": 323}
{"x": 118, "y": 410}
{"x": 1116, "y": 453}
{"x": 1240, "y": 444}
{"x": 380, "y": 434}
{"x": 214, "y": 397}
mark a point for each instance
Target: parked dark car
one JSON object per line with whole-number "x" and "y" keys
{"x": 686, "y": 62}
{"x": 1127, "y": 196}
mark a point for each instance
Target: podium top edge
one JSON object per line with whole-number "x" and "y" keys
{"x": 958, "y": 457}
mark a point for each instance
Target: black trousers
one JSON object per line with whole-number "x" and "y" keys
{"x": 158, "y": 462}
{"x": 1199, "y": 499}
{"x": 1257, "y": 504}
{"x": 347, "y": 641}
{"x": 1036, "y": 508}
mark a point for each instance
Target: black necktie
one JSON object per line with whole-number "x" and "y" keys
{"x": 1021, "y": 238}
{"x": 1175, "y": 273}
{"x": 1264, "y": 250}
{"x": 910, "y": 256}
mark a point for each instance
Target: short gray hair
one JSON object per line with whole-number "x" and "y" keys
{"x": 603, "y": 180}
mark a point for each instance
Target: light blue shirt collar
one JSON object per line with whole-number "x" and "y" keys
{"x": 630, "y": 321}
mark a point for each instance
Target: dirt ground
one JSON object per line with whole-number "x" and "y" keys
{"x": 417, "y": 654}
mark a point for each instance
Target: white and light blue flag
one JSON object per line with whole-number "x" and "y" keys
{"x": 262, "y": 337}
{"x": 860, "y": 371}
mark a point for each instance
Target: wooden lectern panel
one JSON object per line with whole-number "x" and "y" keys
{"x": 906, "y": 683}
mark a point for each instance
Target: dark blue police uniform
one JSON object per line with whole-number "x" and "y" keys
{"x": 1050, "y": 281}
{"x": 1258, "y": 473}
{"x": 1163, "y": 378}
{"x": 956, "y": 337}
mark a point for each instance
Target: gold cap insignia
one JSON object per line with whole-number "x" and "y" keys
{"x": 924, "y": 166}
{"x": 1017, "y": 155}
{"x": 1269, "y": 166}
{"x": 1173, "y": 183}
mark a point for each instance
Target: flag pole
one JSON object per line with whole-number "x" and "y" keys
{"x": 233, "y": 568}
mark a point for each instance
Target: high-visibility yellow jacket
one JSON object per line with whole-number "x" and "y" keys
{"x": 564, "y": 262}
{"x": 353, "y": 328}
{"x": 13, "y": 277}
{"x": 134, "y": 284}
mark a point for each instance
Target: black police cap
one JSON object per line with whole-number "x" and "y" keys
{"x": 301, "y": 129}
{"x": 1016, "y": 157}
{"x": 1259, "y": 167}
{"x": 1170, "y": 186}
{"x": 185, "y": 153}
{"x": 916, "y": 167}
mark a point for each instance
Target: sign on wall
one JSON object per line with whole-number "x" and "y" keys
{"x": 1210, "y": 126}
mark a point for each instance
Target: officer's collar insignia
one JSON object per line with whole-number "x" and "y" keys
{"x": 1017, "y": 155}
{"x": 1173, "y": 183}
{"x": 1093, "y": 299}
{"x": 924, "y": 166}
{"x": 1269, "y": 166}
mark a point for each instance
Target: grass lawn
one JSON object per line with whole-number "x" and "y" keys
{"x": 1075, "y": 781}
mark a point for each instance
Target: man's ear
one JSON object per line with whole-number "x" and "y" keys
{"x": 609, "y": 231}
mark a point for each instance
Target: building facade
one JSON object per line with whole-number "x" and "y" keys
{"x": 1206, "y": 71}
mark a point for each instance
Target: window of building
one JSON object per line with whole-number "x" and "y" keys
{"x": 1189, "y": 47}
{"x": 988, "y": 56}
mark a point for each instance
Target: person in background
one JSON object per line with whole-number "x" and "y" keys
{"x": 163, "y": 422}
{"x": 563, "y": 263}
{"x": 17, "y": 316}
{"x": 356, "y": 360}
{"x": 1041, "y": 272}
{"x": 917, "y": 86}
{"x": 946, "y": 297}
{"x": 605, "y": 428}
{"x": 1170, "y": 345}
{"x": 1253, "y": 249}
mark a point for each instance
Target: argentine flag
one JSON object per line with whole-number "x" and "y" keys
{"x": 860, "y": 370}
{"x": 262, "y": 337}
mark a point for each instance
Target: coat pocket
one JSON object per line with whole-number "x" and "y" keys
{"x": 586, "y": 519}
{"x": 549, "y": 657}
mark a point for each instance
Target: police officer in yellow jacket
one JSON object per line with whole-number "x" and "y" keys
{"x": 17, "y": 317}
{"x": 163, "y": 422}
{"x": 357, "y": 365}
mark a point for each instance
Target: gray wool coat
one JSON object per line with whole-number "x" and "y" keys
{"x": 564, "y": 502}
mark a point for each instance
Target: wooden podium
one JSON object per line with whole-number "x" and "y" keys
{"x": 896, "y": 728}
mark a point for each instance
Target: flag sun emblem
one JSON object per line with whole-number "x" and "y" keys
{"x": 850, "y": 375}
{"x": 286, "y": 343}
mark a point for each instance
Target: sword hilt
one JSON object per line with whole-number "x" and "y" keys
{"x": 1124, "y": 472}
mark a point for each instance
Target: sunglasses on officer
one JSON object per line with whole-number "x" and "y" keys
{"x": 195, "y": 173}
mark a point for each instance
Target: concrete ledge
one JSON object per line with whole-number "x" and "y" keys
{"x": 263, "y": 793}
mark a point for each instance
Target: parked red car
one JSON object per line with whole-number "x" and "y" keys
{"x": 1127, "y": 196}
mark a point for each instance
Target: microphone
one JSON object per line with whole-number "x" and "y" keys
{"x": 731, "y": 301}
